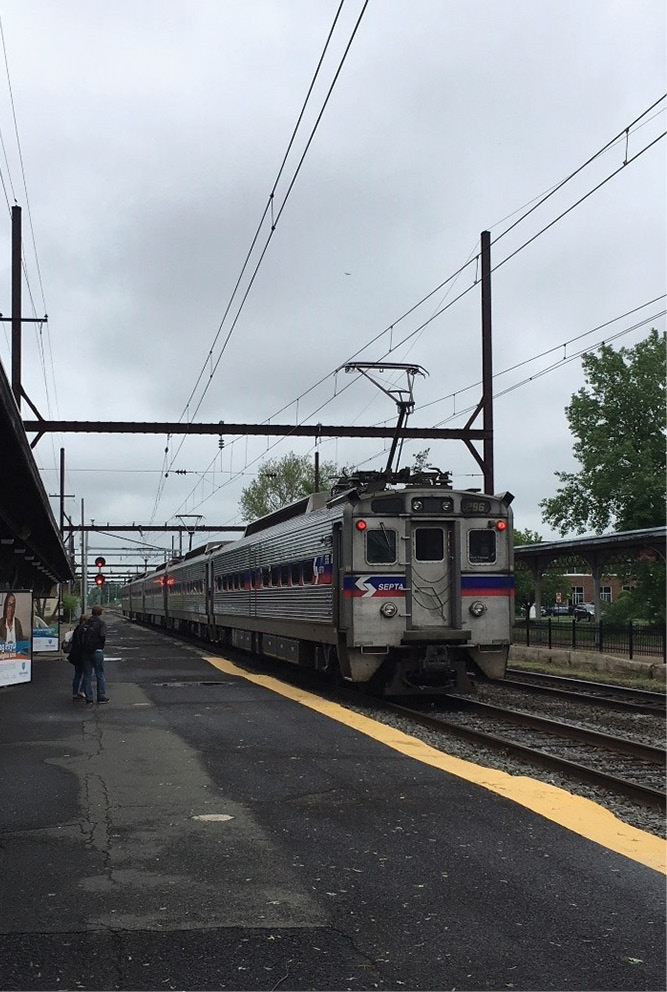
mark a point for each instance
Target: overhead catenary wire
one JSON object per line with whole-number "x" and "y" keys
{"x": 274, "y": 221}
{"x": 440, "y": 310}
{"x": 464, "y": 411}
{"x": 471, "y": 261}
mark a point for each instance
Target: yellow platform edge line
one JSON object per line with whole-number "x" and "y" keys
{"x": 580, "y": 815}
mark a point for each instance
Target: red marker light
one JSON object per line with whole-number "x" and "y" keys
{"x": 361, "y": 525}
{"x": 501, "y": 525}
{"x": 99, "y": 580}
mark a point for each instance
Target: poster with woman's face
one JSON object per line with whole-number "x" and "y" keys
{"x": 15, "y": 636}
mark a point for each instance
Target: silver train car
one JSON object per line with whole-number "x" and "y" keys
{"x": 401, "y": 582}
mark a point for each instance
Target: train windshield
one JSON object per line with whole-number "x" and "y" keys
{"x": 429, "y": 544}
{"x": 380, "y": 546}
{"x": 482, "y": 546}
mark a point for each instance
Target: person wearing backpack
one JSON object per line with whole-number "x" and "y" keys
{"x": 93, "y": 637}
{"x": 74, "y": 653}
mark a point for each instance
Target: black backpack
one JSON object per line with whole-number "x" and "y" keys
{"x": 88, "y": 637}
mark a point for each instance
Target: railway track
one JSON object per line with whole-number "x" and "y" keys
{"x": 580, "y": 690}
{"x": 625, "y": 767}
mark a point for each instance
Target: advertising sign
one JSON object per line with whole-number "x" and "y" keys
{"x": 15, "y": 636}
{"x": 45, "y": 623}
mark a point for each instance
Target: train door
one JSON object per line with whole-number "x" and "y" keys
{"x": 430, "y": 581}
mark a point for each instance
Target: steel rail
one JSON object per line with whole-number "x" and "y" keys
{"x": 611, "y": 696}
{"x": 583, "y": 773}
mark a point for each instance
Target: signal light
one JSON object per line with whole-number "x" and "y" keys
{"x": 361, "y": 525}
{"x": 100, "y": 562}
{"x": 99, "y": 580}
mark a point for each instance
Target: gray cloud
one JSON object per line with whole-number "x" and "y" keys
{"x": 151, "y": 135}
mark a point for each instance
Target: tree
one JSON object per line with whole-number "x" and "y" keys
{"x": 281, "y": 481}
{"x": 619, "y": 424}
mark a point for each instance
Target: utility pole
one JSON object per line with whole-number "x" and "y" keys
{"x": 16, "y": 318}
{"x": 84, "y": 562}
{"x": 17, "y": 389}
{"x": 487, "y": 365}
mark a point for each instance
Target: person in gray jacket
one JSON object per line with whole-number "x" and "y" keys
{"x": 93, "y": 639}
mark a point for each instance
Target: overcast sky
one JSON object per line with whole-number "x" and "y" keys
{"x": 151, "y": 135}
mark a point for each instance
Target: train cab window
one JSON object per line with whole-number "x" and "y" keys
{"x": 380, "y": 546}
{"x": 307, "y": 572}
{"x": 429, "y": 544}
{"x": 482, "y": 546}
{"x": 388, "y": 504}
{"x": 296, "y": 573}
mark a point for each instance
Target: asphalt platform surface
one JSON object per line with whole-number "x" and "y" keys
{"x": 204, "y": 832}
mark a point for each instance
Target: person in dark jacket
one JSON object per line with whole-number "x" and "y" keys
{"x": 75, "y": 656}
{"x": 93, "y": 638}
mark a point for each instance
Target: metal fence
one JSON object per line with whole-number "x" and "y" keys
{"x": 630, "y": 640}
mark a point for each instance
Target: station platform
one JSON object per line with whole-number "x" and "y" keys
{"x": 212, "y": 829}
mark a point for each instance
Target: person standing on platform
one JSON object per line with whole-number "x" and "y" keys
{"x": 93, "y": 638}
{"x": 75, "y": 656}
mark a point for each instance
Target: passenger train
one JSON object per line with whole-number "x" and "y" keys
{"x": 397, "y": 581}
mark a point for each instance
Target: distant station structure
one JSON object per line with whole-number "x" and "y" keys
{"x": 601, "y": 554}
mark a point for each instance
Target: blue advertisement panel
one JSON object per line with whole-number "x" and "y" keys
{"x": 46, "y": 623}
{"x": 15, "y": 636}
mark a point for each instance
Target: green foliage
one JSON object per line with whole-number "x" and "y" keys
{"x": 526, "y": 537}
{"x": 646, "y": 601}
{"x": 281, "y": 481}
{"x": 70, "y": 603}
{"x": 619, "y": 426}
{"x": 420, "y": 460}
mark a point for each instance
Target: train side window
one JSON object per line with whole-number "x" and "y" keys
{"x": 275, "y": 575}
{"x": 296, "y": 573}
{"x": 380, "y": 546}
{"x": 429, "y": 544}
{"x": 266, "y": 577}
{"x": 307, "y": 571}
{"x": 284, "y": 575}
{"x": 482, "y": 546}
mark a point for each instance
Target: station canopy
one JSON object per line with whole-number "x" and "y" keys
{"x": 32, "y": 552}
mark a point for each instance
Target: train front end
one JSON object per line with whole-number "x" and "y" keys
{"x": 427, "y": 586}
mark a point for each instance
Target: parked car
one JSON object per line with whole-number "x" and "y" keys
{"x": 558, "y": 610}
{"x": 585, "y": 611}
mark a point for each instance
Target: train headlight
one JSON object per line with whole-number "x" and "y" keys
{"x": 389, "y": 609}
{"x": 477, "y": 608}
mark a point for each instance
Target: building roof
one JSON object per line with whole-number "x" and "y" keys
{"x": 647, "y": 546}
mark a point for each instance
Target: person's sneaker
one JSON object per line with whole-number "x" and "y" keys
{"x": 89, "y": 702}
{"x": 103, "y": 699}
{"x": 79, "y": 695}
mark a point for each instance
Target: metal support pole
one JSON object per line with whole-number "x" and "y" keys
{"x": 62, "y": 491}
{"x": 84, "y": 563}
{"x": 317, "y": 472}
{"x": 487, "y": 363}
{"x": 16, "y": 305}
